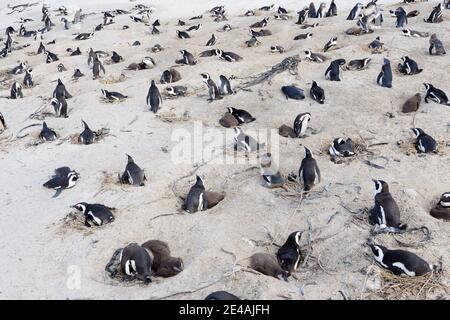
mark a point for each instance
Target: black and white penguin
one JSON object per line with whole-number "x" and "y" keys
{"x": 268, "y": 265}
{"x": 424, "y": 143}
{"x": 163, "y": 265}
{"x": 317, "y": 93}
{"x": 183, "y": 34}
{"x": 157, "y": 48}
{"x": 135, "y": 19}
{"x": 61, "y": 68}
{"x": 155, "y": 30}
{"x": 293, "y": 92}
{"x": 301, "y": 123}
{"x": 309, "y": 170}
{"x": 310, "y": 26}
{"x": 99, "y": 214}
{"x": 176, "y": 91}
{"x": 270, "y": 174}
{"x": 87, "y": 136}
{"x": 214, "y": 93}
{"x": 64, "y": 178}
{"x": 252, "y": 42}
{"x": 112, "y": 95}
{"x": 241, "y": 115}
{"x": 333, "y": 72}
{"x": 436, "y": 14}
{"x": 303, "y": 36}
{"x": 116, "y": 58}
{"x": 28, "y": 79}
{"x": 225, "y": 86}
{"x": 170, "y": 76}
{"x": 135, "y": 262}
{"x": 97, "y": 67}
{"x": 195, "y": 199}
{"x": 436, "y": 46}
{"x": 342, "y": 148}
{"x": 281, "y": 10}
{"x": 312, "y": 13}
{"x": 277, "y": 49}
{"x": 16, "y": 91}
{"x": 376, "y": 45}
{"x": 354, "y": 13}
{"x": 244, "y": 142}
{"x": 226, "y": 28}
{"x": 46, "y": 133}
{"x": 281, "y": 17}
{"x": 195, "y": 28}
{"x": 442, "y": 208}
{"x": 84, "y": 36}
{"x": 77, "y": 74}
{"x": 384, "y": 79}
{"x": 51, "y": 57}
{"x": 331, "y": 43}
{"x": 332, "y": 10}
{"x": 267, "y": 8}
{"x": 212, "y": 41}
{"x": 408, "y": 66}
{"x": 402, "y": 19}
{"x": 76, "y": 52}
{"x": 260, "y": 24}
{"x": 320, "y": 12}
{"x": 260, "y": 33}
{"x": 154, "y": 99}
{"x": 385, "y": 212}
{"x": 221, "y": 295}
{"x": 436, "y": 95}
{"x": 414, "y": 33}
{"x": 19, "y": 69}
{"x": 302, "y": 15}
{"x": 316, "y": 57}
{"x": 60, "y": 106}
{"x": 181, "y": 23}
{"x": 133, "y": 174}
{"x": 358, "y": 64}
{"x": 228, "y": 55}
{"x": 66, "y": 23}
{"x": 289, "y": 254}
{"x": 188, "y": 58}
{"x": 41, "y": 48}
{"x": 61, "y": 91}
{"x": 400, "y": 262}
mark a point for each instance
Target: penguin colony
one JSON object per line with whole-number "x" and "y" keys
{"x": 153, "y": 257}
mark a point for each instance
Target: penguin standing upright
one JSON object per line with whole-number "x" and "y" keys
{"x": 97, "y": 67}
{"x": 384, "y": 79}
{"x": 135, "y": 262}
{"x": 317, "y": 93}
{"x": 133, "y": 174}
{"x": 195, "y": 199}
{"x": 385, "y": 213}
{"x": 400, "y": 262}
{"x": 332, "y": 11}
{"x": 28, "y": 79}
{"x": 87, "y": 136}
{"x": 301, "y": 123}
{"x": 212, "y": 40}
{"x": 16, "y": 91}
{"x": 309, "y": 170}
{"x": 436, "y": 14}
{"x": 60, "y": 106}
{"x": 225, "y": 86}
{"x": 436, "y": 47}
{"x": 99, "y": 214}
{"x": 320, "y": 11}
{"x": 334, "y": 70}
{"x": 312, "y": 13}
{"x": 436, "y": 95}
{"x": 61, "y": 91}
{"x": 402, "y": 19}
{"x": 302, "y": 15}
{"x": 354, "y": 13}
{"x": 425, "y": 143}
{"x": 289, "y": 254}
{"x": 154, "y": 99}
{"x": 214, "y": 93}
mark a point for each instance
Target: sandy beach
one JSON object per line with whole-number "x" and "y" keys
{"x": 46, "y": 256}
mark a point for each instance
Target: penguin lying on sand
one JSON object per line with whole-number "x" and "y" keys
{"x": 268, "y": 265}
{"x": 442, "y": 208}
{"x": 99, "y": 214}
{"x": 64, "y": 178}
{"x": 133, "y": 174}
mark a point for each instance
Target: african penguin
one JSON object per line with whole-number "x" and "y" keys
{"x": 154, "y": 99}
{"x": 436, "y": 95}
{"x": 228, "y": 56}
{"x": 64, "y": 178}
{"x": 436, "y": 14}
{"x": 241, "y": 115}
{"x": 312, "y": 13}
{"x": 409, "y": 66}
{"x": 60, "y": 106}
{"x": 385, "y": 212}
{"x": 195, "y": 199}
{"x": 333, "y": 72}
{"x": 188, "y": 58}
{"x": 133, "y": 174}
{"x": 331, "y": 43}
{"x": 211, "y": 41}
{"x": 293, "y": 92}
{"x": 244, "y": 142}
{"x": 316, "y": 57}
{"x": 436, "y": 47}
{"x": 317, "y": 93}
{"x": 354, "y": 13}
{"x": 170, "y": 76}
{"x": 214, "y": 93}
{"x": 116, "y": 58}
{"x": 183, "y": 34}
{"x": 97, "y": 67}
{"x": 270, "y": 174}
{"x": 358, "y": 64}
{"x": 277, "y": 49}
{"x": 136, "y": 262}
{"x": 302, "y": 15}
{"x": 424, "y": 143}
{"x": 442, "y": 208}
{"x": 309, "y": 170}
{"x": 342, "y": 148}
{"x": 301, "y": 123}
{"x": 303, "y": 36}
{"x": 176, "y": 90}
{"x": 87, "y": 136}
{"x": 402, "y": 19}
{"x": 225, "y": 86}
{"x": 28, "y": 79}
{"x": 16, "y": 91}
{"x": 289, "y": 254}
{"x": 413, "y": 33}
{"x": 99, "y": 214}
{"x": 332, "y": 10}
{"x": 61, "y": 91}
{"x": 384, "y": 78}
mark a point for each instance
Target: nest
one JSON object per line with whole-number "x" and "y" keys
{"x": 99, "y": 135}
{"x": 409, "y": 147}
{"x": 114, "y": 276}
{"x": 360, "y": 148}
{"x": 73, "y": 222}
{"x": 394, "y": 287}
{"x": 112, "y": 79}
{"x": 170, "y": 117}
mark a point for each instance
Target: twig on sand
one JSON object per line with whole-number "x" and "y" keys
{"x": 31, "y": 125}
{"x": 163, "y": 215}
{"x": 344, "y": 296}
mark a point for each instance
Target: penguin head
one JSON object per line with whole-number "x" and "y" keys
{"x": 380, "y": 186}
{"x": 308, "y": 153}
{"x": 104, "y": 93}
{"x": 237, "y": 131}
{"x": 170, "y": 90}
{"x": 386, "y": 62}
{"x": 305, "y": 117}
{"x": 445, "y": 200}
{"x": 314, "y": 84}
{"x": 295, "y": 236}
{"x": 428, "y": 86}
{"x": 308, "y": 53}
{"x": 85, "y": 125}
{"x": 403, "y": 59}
{"x": 417, "y": 131}
{"x": 308, "y": 35}
{"x": 153, "y": 84}
{"x": 230, "y": 109}
{"x": 199, "y": 181}
{"x": 406, "y": 31}
{"x": 205, "y": 76}
{"x": 129, "y": 159}
{"x": 218, "y": 52}
{"x": 176, "y": 264}
{"x": 44, "y": 125}
{"x": 378, "y": 251}
{"x": 81, "y": 206}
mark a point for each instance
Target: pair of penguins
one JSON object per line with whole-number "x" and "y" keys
{"x": 316, "y": 92}
{"x": 152, "y": 258}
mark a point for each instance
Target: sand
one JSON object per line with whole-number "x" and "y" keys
{"x": 44, "y": 258}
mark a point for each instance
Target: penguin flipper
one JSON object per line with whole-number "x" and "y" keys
{"x": 58, "y": 192}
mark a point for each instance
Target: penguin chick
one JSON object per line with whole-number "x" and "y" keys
{"x": 268, "y": 265}
{"x": 309, "y": 170}
{"x": 164, "y": 265}
{"x": 195, "y": 199}
{"x": 412, "y": 104}
{"x": 133, "y": 174}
